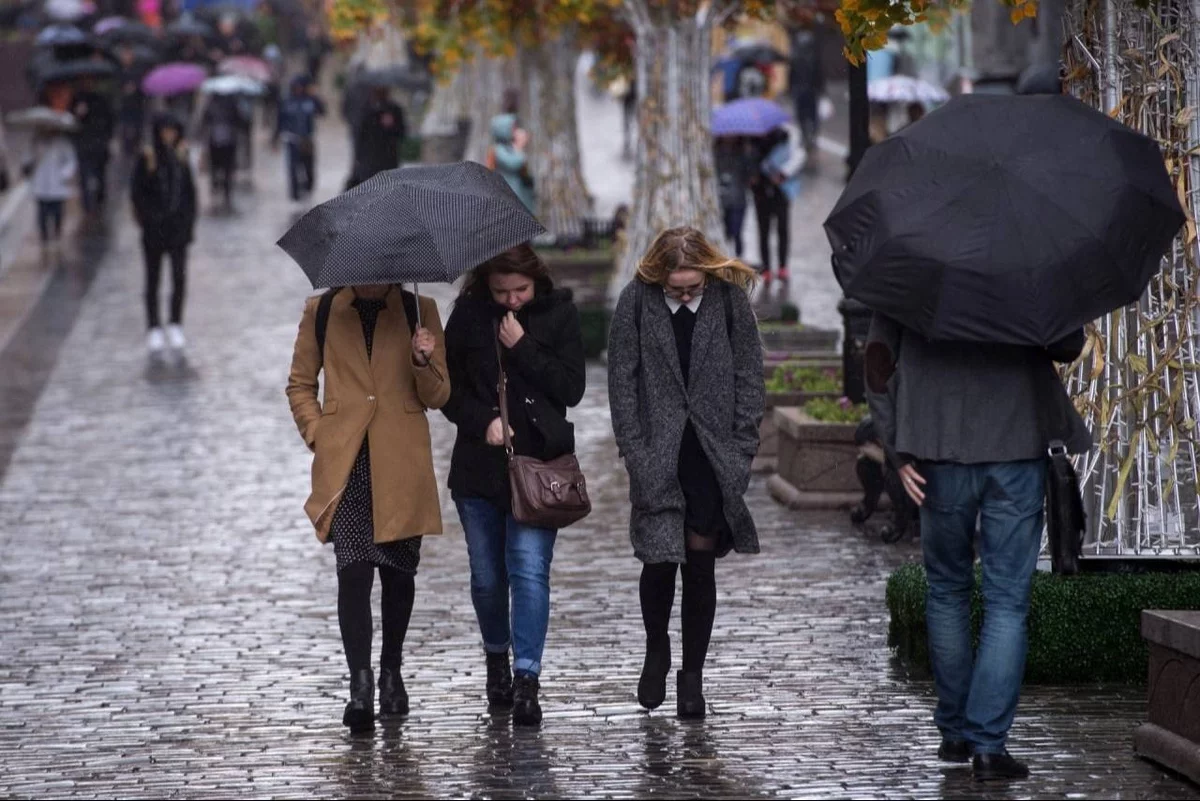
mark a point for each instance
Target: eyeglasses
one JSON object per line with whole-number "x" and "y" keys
{"x": 679, "y": 293}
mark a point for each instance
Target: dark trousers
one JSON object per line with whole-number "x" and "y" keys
{"x": 301, "y": 160}
{"x": 734, "y": 216}
{"x": 222, "y": 161}
{"x": 807, "y": 104}
{"x": 131, "y": 136}
{"x": 154, "y": 252}
{"x": 93, "y": 168}
{"x": 50, "y": 216}
{"x": 772, "y": 206}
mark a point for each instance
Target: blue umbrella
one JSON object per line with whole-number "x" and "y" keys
{"x": 752, "y": 116}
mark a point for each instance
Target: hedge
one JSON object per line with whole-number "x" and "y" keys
{"x": 1084, "y": 628}
{"x": 593, "y": 322}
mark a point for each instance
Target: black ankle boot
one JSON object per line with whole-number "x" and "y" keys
{"x": 499, "y": 681}
{"x": 360, "y": 712}
{"x": 689, "y": 688}
{"x": 526, "y": 709}
{"x": 652, "y": 687}
{"x": 393, "y": 698}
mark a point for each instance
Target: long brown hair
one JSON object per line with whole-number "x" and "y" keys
{"x": 519, "y": 260}
{"x": 686, "y": 248}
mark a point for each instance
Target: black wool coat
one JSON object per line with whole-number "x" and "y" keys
{"x": 546, "y": 376}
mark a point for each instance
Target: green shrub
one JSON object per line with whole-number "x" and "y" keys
{"x": 1084, "y": 628}
{"x": 795, "y": 377}
{"x": 826, "y": 410}
{"x": 594, "y": 323}
{"x": 789, "y": 313}
{"x": 410, "y": 149}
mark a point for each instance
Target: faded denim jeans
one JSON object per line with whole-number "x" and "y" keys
{"x": 506, "y": 558}
{"x": 978, "y": 692}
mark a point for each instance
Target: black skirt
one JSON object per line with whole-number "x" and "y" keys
{"x": 353, "y": 526}
{"x": 704, "y": 505}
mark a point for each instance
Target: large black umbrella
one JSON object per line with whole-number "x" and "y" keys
{"x": 52, "y": 72}
{"x": 133, "y": 33}
{"x": 425, "y": 224}
{"x": 1007, "y": 219}
{"x": 398, "y": 76}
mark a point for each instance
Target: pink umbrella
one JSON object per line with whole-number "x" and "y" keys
{"x": 247, "y": 67}
{"x": 174, "y": 79}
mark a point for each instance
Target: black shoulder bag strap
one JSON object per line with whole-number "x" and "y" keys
{"x": 323, "y": 306}
{"x": 326, "y": 302}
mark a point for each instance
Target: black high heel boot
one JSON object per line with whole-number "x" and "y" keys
{"x": 526, "y": 709}
{"x": 652, "y": 687}
{"x": 360, "y": 712}
{"x": 689, "y": 687}
{"x": 393, "y": 698}
{"x": 499, "y": 681}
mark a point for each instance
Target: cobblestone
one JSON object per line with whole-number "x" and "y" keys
{"x": 169, "y": 621}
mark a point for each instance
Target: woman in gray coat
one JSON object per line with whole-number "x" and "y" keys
{"x": 686, "y": 389}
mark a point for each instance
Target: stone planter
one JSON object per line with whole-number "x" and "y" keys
{"x": 777, "y": 338}
{"x": 817, "y": 361}
{"x": 446, "y": 147}
{"x": 816, "y": 462}
{"x": 768, "y": 431}
{"x": 1171, "y": 737}
{"x": 587, "y": 274}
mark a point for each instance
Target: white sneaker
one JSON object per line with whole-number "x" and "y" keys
{"x": 175, "y": 337}
{"x": 156, "y": 340}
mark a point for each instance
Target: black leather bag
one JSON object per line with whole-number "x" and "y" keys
{"x": 1065, "y": 518}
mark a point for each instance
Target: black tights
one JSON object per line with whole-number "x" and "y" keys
{"x": 354, "y": 613}
{"x": 699, "y": 609}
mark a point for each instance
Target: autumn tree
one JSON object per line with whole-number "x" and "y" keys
{"x": 532, "y": 46}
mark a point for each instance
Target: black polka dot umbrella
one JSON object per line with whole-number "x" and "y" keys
{"x": 424, "y": 224}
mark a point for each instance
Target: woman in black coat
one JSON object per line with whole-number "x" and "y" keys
{"x": 510, "y": 298}
{"x": 164, "y": 203}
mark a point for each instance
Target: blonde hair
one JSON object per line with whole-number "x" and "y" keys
{"x": 686, "y": 248}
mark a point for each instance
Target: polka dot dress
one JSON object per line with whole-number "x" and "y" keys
{"x": 353, "y": 529}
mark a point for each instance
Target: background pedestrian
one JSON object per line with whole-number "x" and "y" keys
{"x": 164, "y": 205}
{"x": 52, "y": 166}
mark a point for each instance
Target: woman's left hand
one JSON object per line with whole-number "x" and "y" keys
{"x": 422, "y": 345}
{"x": 510, "y": 331}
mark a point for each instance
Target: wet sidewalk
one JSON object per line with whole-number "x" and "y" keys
{"x": 169, "y": 621}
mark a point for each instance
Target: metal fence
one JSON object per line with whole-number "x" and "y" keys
{"x": 1137, "y": 383}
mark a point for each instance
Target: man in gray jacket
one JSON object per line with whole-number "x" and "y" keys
{"x": 966, "y": 426}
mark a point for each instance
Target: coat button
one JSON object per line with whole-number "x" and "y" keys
{"x": 371, "y": 398}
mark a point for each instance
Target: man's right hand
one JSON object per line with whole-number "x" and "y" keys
{"x": 495, "y": 433}
{"x": 914, "y": 483}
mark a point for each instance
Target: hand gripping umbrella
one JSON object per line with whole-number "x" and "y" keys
{"x": 1005, "y": 219}
{"x": 424, "y": 224}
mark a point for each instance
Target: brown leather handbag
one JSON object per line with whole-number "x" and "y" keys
{"x": 549, "y": 494}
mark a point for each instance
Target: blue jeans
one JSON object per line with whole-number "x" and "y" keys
{"x": 977, "y": 693}
{"x": 506, "y": 554}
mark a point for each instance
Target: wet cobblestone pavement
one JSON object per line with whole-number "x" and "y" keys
{"x": 168, "y": 620}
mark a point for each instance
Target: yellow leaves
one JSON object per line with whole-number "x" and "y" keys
{"x": 1123, "y": 474}
{"x": 1138, "y": 363}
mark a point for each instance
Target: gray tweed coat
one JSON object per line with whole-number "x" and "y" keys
{"x": 651, "y": 406}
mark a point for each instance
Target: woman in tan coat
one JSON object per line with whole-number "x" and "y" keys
{"x": 374, "y": 493}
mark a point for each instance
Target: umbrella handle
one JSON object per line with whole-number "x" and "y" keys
{"x": 417, "y": 295}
